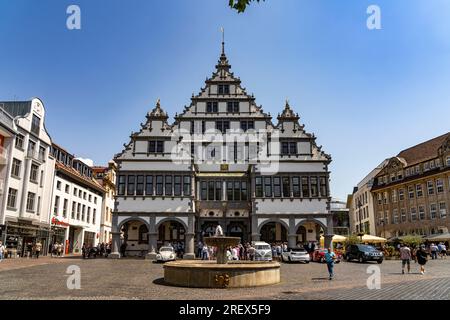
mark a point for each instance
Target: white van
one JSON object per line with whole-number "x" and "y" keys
{"x": 263, "y": 251}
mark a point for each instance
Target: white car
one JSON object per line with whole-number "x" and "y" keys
{"x": 166, "y": 254}
{"x": 295, "y": 254}
{"x": 263, "y": 251}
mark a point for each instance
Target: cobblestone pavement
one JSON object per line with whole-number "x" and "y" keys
{"x": 141, "y": 279}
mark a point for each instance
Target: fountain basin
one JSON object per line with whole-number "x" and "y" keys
{"x": 209, "y": 274}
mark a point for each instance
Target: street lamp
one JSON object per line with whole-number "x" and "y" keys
{"x": 359, "y": 214}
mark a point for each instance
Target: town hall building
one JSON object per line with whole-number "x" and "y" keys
{"x": 223, "y": 161}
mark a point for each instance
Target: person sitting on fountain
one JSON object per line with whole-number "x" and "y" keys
{"x": 219, "y": 231}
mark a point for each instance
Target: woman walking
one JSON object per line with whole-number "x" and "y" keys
{"x": 421, "y": 256}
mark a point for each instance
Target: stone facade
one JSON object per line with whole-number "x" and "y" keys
{"x": 412, "y": 192}
{"x": 222, "y": 161}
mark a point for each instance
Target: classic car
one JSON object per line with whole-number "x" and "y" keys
{"x": 319, "y": 256}
{"x": 166, "y": 254}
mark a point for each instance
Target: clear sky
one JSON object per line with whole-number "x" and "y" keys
{"x": 366, "y": 94}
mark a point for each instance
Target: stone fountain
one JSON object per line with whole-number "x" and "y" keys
{"x": 221, "y": 273}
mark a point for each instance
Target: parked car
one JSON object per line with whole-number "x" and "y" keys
{"x": 319, "y": 256}
{"x": 363, "y": 253}
{"x": 263, "y": 251}
{"x": 166, "y": 254}
{"x": 295, "y": 254}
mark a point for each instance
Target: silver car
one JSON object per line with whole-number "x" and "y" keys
{"x": 295, "y": 254}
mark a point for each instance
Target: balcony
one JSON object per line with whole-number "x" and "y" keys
{"x": 3, "y": 156}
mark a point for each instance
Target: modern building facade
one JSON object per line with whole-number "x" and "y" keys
{"x": 412, "y": 192}
{"x": 27, "y": 175}
{"x": 77, "y": 202}
{"x": 106, "y": 177}
{"x": 361, "y": 205}
{"x": 222, "y": 161}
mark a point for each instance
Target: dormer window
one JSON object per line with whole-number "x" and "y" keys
{"x": 155, "y": 146}
{"x": 212, "y": 106}
{"x": 223, "y": 89}
{"x": 35, "y": 124}
{"x": 233, "y": 106}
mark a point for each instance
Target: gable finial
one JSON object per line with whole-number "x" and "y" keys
{"x": 223, "y": 40}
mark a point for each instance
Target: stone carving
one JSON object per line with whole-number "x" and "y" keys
{"x": 219, "y": 231}
{"x": 222, "y": 280}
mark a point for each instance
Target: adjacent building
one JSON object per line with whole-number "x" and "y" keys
{"x": 106, "y": 177}
{"x": 77, "y": 203}
{"x": 222, "y": 161}
{"x": 27, "y": 172}
{"x": 412, "y": 192}
{"x": 340, "y": 213}
{"x": 361, "y": 204}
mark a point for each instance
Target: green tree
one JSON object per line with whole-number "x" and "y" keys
{"x": 241, "y": 5}
{"x": 353, "y": 239}
{"x": 412, "y": 241}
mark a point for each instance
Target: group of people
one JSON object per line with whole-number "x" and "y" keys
{"x": 102, "y": 249}
{"x": 56, "y": 249}
{"x": 438, "y": 250}
{"x": 239, "y": 252}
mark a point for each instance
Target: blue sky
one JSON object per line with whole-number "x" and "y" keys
{"x": 366, "y": 94}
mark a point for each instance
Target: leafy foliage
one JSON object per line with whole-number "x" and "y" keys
{"x": 353, "y": 239}
{"x": 241, "y": 5}
{"x": 412, "y": 241}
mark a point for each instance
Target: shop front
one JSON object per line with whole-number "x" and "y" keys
{"x": 22, "y": 236}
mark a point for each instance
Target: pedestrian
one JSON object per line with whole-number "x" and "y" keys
{"x": 405, "y": 256}
{"x": 421, "y": 256}
{"x": 330, "y": 257}
{"x": 434, "y": 251}
{"x": 443, "y": 251}
{"x": 205, "y": 252}
{"x": 251, "y": 253}
{"x": 37, "y": 249}
{"x": 123, "y": 249}
{"x": 2, "y": 251}
{"x": 199, "y": 249}
{"x": 234, "y": 254}
{"x": 59, "y": 248}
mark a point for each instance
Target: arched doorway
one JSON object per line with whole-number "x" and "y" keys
{"x": 273, "y": 232}
{"x": 171, "y": 232}
{"x": 309, "y": 232}
{"x": 134, "y": 234}
{"x": 301, "y": 235}
{"x": 237, "y": 229}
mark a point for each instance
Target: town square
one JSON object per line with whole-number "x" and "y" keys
{"x": 190, "y": 155}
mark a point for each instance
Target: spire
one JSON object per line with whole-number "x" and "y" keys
{"x": 223, "y": 61}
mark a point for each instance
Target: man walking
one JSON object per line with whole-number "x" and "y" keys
{"x": 405, "y": 256}
{"x": 37, "y": 249}
{"x": 330, "y": 256}
{"x": 433, "y": 250}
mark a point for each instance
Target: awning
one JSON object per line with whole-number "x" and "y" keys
{"x": 221, "y": 174}
{"x": 372, "y": 239}
{"x": 336, "y": 238}
{"x": 439, "y": 237}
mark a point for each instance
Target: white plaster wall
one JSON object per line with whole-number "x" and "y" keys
{"x": 141, "y": 204}
{"x": 286, "y": 206}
